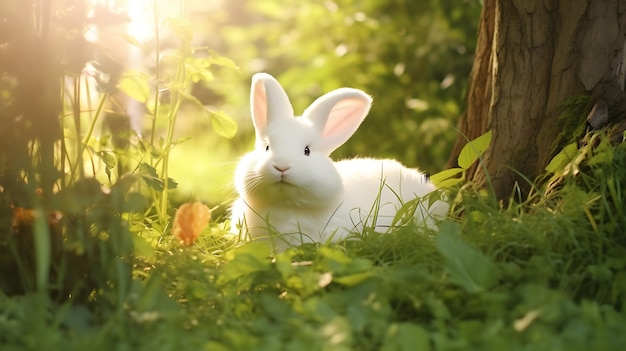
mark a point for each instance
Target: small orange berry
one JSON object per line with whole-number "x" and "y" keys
{"x": 189, "y": 221}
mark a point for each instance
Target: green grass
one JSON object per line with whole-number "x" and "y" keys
{"x": 544, "y": 274}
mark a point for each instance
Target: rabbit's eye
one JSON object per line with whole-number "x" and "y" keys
{"x": 267, "y": 148}
{"x": 307, "y": 151}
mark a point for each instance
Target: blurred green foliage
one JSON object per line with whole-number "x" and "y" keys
{"x": 63, "y": 237}
{"x": 413, "y": 57}
{"x": 86, "y": 255}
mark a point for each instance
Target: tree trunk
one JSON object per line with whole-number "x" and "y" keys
{"x": 531, "y": 56}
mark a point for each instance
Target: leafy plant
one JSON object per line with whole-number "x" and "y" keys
{"x": 67, "y": 191}
{"x": 471, "y": 152}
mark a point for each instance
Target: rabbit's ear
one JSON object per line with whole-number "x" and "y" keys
{"x": 268, "y": 102}
{"x": 338, "y": 114}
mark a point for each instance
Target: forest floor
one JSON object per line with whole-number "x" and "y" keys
{"x": 546, "y": 273}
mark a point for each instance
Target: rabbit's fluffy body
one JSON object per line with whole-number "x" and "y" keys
{"x": 289, "y": 183}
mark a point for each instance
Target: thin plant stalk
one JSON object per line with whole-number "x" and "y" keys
{"x": 76, "y": 114}
{"x": 176, "y": 98}
{"x": 82, "y": 145}
{"x": 157, "y": 61}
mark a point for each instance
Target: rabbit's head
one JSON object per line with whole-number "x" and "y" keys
{"x": 290, "y": 164}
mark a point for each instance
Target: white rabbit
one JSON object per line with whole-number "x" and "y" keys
{"x": 292, "y": 192}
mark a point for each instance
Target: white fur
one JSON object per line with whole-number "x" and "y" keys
{"x": 314, "y": 199}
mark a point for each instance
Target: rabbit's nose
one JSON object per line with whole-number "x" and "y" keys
{"x": 282, "y": 169}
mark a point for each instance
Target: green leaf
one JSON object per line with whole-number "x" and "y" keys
{"x": 198, "y": 69}
{"x": 563, "y": 158}
{"x": 152, "y": 179}
{"x": 79, "y": 196}
{"x": 135, "y": 85}
{"x": 354, "y": 279}
{"x": 42, "y": 249}
{"x": 406, "y": 337}
{"x": 223, "y": 61}
{"x": 152, "y": 300}
{"x": 142, "y": 247}
{"x": 406, "y": 213}
{"x": 340, "y": 264}
{"x": 109, "y": 162}
{"x": 223, "y": 124}
{"x": 134, "y": 202}
{"x": 472, "y": 151}
{"x": 448, "y": 183}
{"x": 182, "y": 27}
{"x": 468, "y": 267}
{"x": 150, "y": 176}
{"x": 78, "y": 318}
{"x": 171, "y": 183}
{"x": 108, "y": 158}
{"x": 246, "y": 260}
{"x": 447, "y": 174}
{"x": 603, "y": 153}
{"x": 123, "y": 200}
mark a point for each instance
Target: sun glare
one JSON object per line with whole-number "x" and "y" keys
{"x": 140, "y": 18}
{"x": 141, "y": 14}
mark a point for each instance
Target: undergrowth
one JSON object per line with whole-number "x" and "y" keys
{"x": 543, "y": 274}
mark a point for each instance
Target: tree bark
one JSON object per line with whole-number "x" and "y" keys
{"x": 475, "y": 120}
{"x": 531, "y": 56}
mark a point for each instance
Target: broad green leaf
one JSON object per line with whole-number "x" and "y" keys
{"x": 563, "y": 158}
{"x": 354, "y": 279}
{"x": 135, "y": 85}
{"x": 470, "y": 152}
{"x": 142, "y": 247}
{"x": 246, "y": 260}
{"x": 307, "y": 282}
{"x": 123, "y": 200}
{"x": 134, "y": 202}
{"x": 223, "y": 124}
{"x": 406, "y": 337}
{"x": 198, "y": 69}
{"x": 450, "y": 182}
{"x": 340, "y": 264}
{"x": 224, "y": 62}
{"x": 78, "y": 196}
{"x": 468, "y": 267}
{"x": 439, "y": 177}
